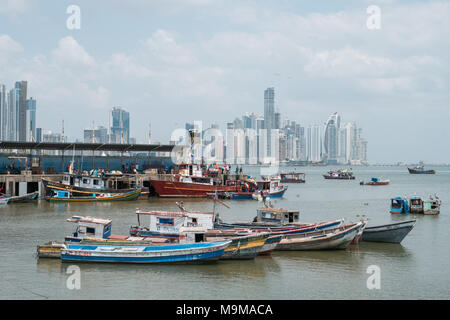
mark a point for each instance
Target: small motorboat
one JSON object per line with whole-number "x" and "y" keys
{"x": 392, "y": 233}
{"x": 270, "y": 188}
{"x": 375, "y": 182}
{"x": 339, "y": 175}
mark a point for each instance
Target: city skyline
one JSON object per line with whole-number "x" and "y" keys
{"x": 320, "y": 59}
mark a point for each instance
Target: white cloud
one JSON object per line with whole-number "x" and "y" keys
{"x": 71, "y": 54}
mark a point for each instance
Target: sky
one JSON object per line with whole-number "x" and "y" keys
{"x": 169, "y": 62}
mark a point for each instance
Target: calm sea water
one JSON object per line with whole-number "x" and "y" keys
{"x": 415, "y": 269}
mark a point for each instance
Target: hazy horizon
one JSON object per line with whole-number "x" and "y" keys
{"x": 171, "y": 62}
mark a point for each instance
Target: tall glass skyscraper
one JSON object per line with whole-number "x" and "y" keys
{"x": 331, "y": 137}
{"x": 269, "y": 116}
{"x": 31, "y": 119}
{"x": 120, "y": 126}
{"x": 21, "y": 126}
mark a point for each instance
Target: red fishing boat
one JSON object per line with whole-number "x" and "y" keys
{"x": 191, "y": 180}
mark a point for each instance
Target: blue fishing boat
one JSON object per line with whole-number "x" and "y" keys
{"x": 399, "y": 205}
{"x": 169, "y": 253}
{"x": 270, "y": 188}
{"x": 415, "y": 204}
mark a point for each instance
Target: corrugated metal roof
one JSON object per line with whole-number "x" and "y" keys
{"x": 86, "y": 146}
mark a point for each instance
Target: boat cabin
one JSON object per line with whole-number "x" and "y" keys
{"x": 191, "y": 170}
{"x": 416, "y": 205}
{"x": 399, "y": 205}
{"x": 192, "y": 234}
{"x": 272, "y": 185}
{"x": 279, "y": 216}
{"x": 89, "y": 227}
{"x": 165, "y": 223}
{"x": 292, "y": 177}
{"x": 92, "y": 182}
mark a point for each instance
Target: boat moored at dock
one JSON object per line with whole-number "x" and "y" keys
{"x": 69, "y": 196}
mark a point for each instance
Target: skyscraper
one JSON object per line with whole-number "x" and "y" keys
{"x": 21, "y": 87}
{"x": 120, "y": 127}
{"x": 331, "y": 137}
{"x": 3, "y": 112}
{"x": 31, "y": 120}
{"x": 269, "y": 116}
{"x": 314, "y": 143}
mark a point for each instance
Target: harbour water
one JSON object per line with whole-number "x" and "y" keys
{"x": 415, "y": 269}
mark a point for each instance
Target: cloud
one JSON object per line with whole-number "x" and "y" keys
{"x": 8, "y": 48}
{"x": 71, "y": 54}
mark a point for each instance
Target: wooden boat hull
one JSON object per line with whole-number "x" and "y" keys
{"x": 25, "y": 198}
{"x": 380, "y": 183}
{"x": 391, "y": 233}
{"x": 177, "y": 253}
{"x": 337, "y": 239}
{"x": 282, "y": 230}
{"x": 78, "y": 191}
{"x": 270, "y": 245}
{"x": 245, "y": 248}
{"x": 338, "y": 178}
{"x": 118, "y": 197}
{"x": 177, "y": 189}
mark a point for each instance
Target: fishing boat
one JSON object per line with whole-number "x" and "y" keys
{"x": 276, "y": 220}
{"x": 420, "y": 170}
{"x": 86, "y": 184}
{"x": 167, "y": 224}
{"x": 93, "y": 231}
{"x": 330, "y": 239}
{"x": 270, "y": 188}
{"x": 168, "y": 253}
{"x": 392, "y": 232}
{"x": 292, "y": 177}
{"x": 25, "y": 198}
{"x": 416, "y": 204}
{"x": 375, "y": 182}
{"x": 68, "y": 196}
{"x": 339, "y": 175}
{"x": 192, "y": 181}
